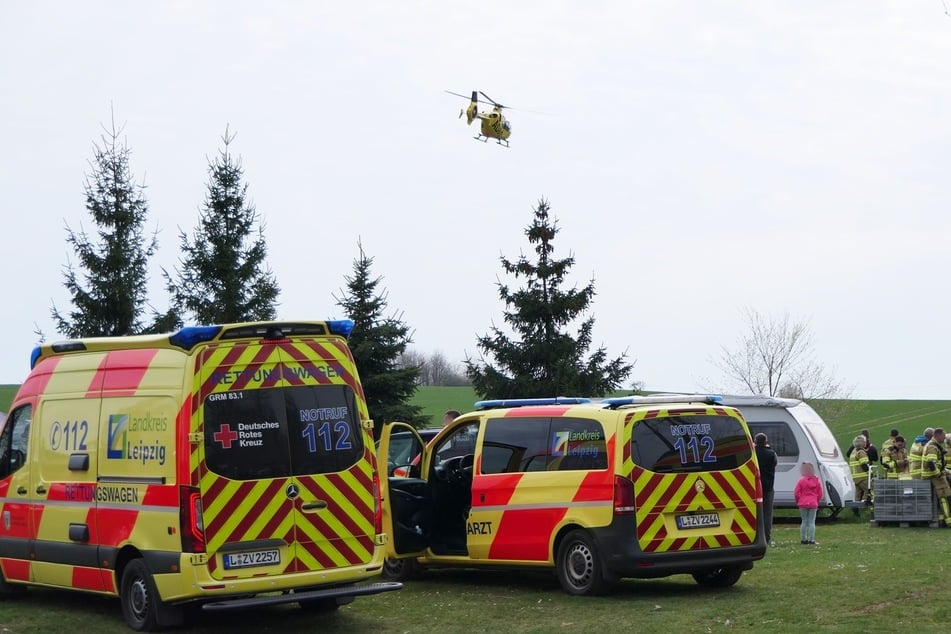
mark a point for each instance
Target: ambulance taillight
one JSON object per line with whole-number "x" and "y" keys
{"x": 193, "y": 526}
{"x": 623, "y": 496}
{"x": 377, "y": 506}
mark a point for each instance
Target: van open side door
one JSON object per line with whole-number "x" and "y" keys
{"x": 406, "y": 498}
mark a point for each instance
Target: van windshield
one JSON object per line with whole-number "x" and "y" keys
{"x": 682, "y": 444}
{"x": 279, "y": 432}
{"x": 819, "y": 432}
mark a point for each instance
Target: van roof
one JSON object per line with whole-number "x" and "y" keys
{"x": 759, "y": 400}
{"x": 190, "y": 336}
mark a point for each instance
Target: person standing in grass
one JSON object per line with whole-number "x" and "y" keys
{"x": 808, "y": 494}
{"x": 766, "y": 458}
{"x": 859, "y": 466}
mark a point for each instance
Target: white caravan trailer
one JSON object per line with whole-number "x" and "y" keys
{"x": 797, "y": 433}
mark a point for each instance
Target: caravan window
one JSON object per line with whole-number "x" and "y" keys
{"x": 780, "y": 438}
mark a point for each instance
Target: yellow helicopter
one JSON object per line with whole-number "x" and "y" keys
{"x": 494, "y": 124}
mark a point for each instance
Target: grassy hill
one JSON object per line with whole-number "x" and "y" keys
{"x": 845, "y": 418}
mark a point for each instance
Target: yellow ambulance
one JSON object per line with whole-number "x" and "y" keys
{"x": 627, "y": 487}
{"x": 228, "y": 465}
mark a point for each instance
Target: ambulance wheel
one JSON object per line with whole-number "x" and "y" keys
{"x": 719, "y": 577}
{"x": 579, "y": 565}
{"x": 399, "y": 569}
{"x": 139, "y": 597}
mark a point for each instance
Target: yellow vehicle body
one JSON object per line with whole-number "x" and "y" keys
{"x": 214, "y": 464}
{"x": 598, "y": 491}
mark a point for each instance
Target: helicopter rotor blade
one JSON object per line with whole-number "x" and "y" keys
{"x": 492, "y": 101}
{"x": 466, "y": 97}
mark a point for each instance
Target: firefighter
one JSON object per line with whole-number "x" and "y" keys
{"x": 859, "y": 465}
{"x": 917, "y": 449}
{"x": 894, "y": 459}
{"x": 892, "y": 435}
{"x": 933, "y": 464}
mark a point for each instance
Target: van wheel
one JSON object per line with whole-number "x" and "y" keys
{"x": 138, "y": 597}
{"x": 400, "y": 569}
{"x": 719, "y": 577}
{"x": 579, "y": 566}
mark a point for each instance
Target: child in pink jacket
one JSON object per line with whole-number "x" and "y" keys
{"x": 808, "y": 493}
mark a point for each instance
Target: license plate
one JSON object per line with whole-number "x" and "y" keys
{"x": 255, "y": 558}
{"x": 698, "y": 520}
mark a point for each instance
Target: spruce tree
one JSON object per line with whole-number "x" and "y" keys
{"x": 109, "y": 295}
{"x": 547, "y": 356}
{"x": 377, "y": 343}
{"x": 223, "y": 276}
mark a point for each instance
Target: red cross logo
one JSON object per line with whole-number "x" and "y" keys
{"x": 225, "y": 436}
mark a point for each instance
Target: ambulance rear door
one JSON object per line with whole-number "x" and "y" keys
{"x": 289, "y": 480}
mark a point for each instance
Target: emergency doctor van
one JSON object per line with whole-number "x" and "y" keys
{"x": 628, "y": 487}
{"x": 228, "y": 465}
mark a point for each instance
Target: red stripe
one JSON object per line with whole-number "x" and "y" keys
{"x": 125, "y": 371}
{"x": 323, "y": 559}
{"x": 87, "y": 579}
{"x": 525, "y": 534}
{"x": 115, "y": 525}
{"x": 161, "y": 495}
{"x": 542, "y": 410}
{"x": 596, "y": 485}
{"x": 231, "y": 507}
{"x": 349, "y": 524}
{"x": 95, "y": 386}
{"x": 208, "y": 385}
{"x": 283, "y": 511}
{"x": 38, "y": 379}
{"x": 16, "y": 569}
{"x": 251, "y": 515}
{"x": 363, "y": 504}
{"x": 260, "y": 358}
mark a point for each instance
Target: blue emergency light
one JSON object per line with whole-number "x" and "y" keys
{"x": 528, "y": 402}
{"x": 342, "y": 327}
{"x": 190, "y": 336}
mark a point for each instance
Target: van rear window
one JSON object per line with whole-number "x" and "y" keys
{"x": 278, "y": 432}
{"x": 681, "y": 444}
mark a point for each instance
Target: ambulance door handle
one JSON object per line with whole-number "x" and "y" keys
{"x": 319, "y": 505}
{"x": 41, "y": 489}
{"x": 21, "y": 491}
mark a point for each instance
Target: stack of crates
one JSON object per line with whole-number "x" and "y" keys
{"x": 904, "y": 501}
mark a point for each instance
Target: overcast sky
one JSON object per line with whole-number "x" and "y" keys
{"x": 701, "y": 157}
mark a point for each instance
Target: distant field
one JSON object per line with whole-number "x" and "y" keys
{"x": 845, "y": 418}
{"x": 7, "y": 392}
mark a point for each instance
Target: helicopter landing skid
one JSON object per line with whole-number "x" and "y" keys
{"x": 485, "y": 139}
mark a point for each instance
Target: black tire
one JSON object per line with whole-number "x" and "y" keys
{"x": 400, "y": 569}
{"x": 719, "y": 577}
{"x": 138, "y": 597}
{"x": 579, "y": 566}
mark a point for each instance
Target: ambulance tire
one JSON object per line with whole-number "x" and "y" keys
{"x": 579, "y": 566}
{"x": 400, "y": 569}
{"x": 141, "y": 606}
{"x": 719, "y": 577}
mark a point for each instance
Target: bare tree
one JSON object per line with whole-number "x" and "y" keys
{"x": 412, "y": 358}
{"x": 775, "y": 358}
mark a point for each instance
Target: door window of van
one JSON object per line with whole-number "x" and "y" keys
{"x": 14, "y": 441}
{"x": 514, "y": 445}
{"x": 779, "y": 436}
{"x": 682, "y": 444}
{"x": 538, "y": 444}
{"x": 270, "y": 433}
